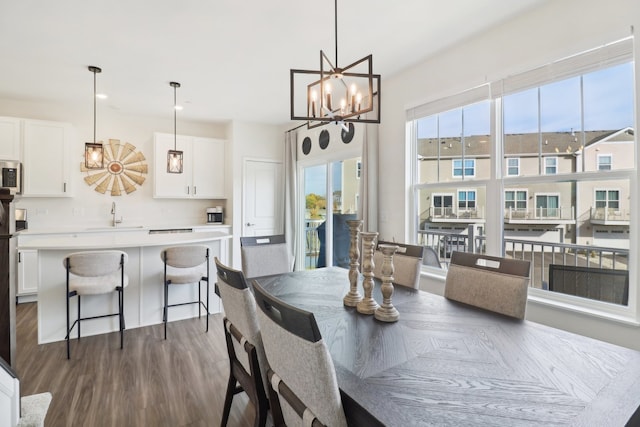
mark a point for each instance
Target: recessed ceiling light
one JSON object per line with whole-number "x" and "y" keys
{"x": 178, "y": 107}
{"x": 101, "y": 95}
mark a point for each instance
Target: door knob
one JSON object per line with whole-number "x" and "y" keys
{"x": 249, "y": 224}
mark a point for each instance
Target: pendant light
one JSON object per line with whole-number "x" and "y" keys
{"x": 93, "y": 151}
{"x": 336, "y": 94}
{"x": 174, "y": 157}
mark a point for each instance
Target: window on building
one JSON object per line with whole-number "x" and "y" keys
{"x": 442, "y": 205}
{"x": 547, "y": 205}
{"x": 604, "y": 162}
{"x": 513, "y": 166}
{"x": 469, "y": 169}
{"x": 550, "y": 165}
{"x": 467, "y": 200}
{"x": 555, "y": 120}
{"x": 608, "y": 199}
{"x": 515, "y": 200}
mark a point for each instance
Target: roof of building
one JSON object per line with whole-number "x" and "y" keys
{"x": 521, "y": 145}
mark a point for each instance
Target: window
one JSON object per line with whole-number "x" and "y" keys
{"x": 442, "y": 205}
{"x": 469, "y": 169}
{"x": 515, "y": 200}
{"x": 513, "y": 166}
{"x": 547, "y": 205}
{"x": 330, "y": 198}
{"x": 604, "y": 162}
{"x": 550, "y": 165}
{"x": 607, "y": 199}
{"x": 561, "y": 124}
{"x": 467, "y": 200}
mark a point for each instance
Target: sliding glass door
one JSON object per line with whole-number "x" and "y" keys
{"x": 330, "y": 197}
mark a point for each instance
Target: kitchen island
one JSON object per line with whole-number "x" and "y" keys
{"x": 143, "y": 298}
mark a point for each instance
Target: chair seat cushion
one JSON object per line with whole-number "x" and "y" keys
{"x": 185, "y": 275}
{"x": 85, "y": 285}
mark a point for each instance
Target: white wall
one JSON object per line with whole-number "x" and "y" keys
{"x": 90, "y": 208}
{"x": 555, "y": 30}
{"x": 250, "y": 141}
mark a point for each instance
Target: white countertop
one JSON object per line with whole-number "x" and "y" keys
{"x": 86, "y": 241}
{"x": 119, "y": 229}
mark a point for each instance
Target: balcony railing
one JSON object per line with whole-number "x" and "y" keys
{"x": 453, "y": 214}
{"x": 312, "y": 243}
{"x": 604, "y": 215}
{"x": 540, "y": 254}
{"x": 560, "y": 213}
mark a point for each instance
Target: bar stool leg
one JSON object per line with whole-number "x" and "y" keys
{"x": 166, "y": 295}
{"x": 68, "y": 331}
{"x": 199, "y": 300}
{"x": 79, "y": 318}
{"x": 121, "y": 315}
{"x": 207, "y": 307}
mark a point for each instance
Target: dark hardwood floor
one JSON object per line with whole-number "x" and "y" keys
{"x": 151, "y": 382}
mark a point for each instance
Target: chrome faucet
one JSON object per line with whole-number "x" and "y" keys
{"x": 113, "y": 212}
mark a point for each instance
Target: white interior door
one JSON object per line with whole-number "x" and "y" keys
{"x": 263, "y": 198}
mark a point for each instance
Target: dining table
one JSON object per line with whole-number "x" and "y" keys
{"x": 444, "y": 363}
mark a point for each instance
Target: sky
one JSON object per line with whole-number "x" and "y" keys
{"x": 316, "y": 178}
{"x": 607, "y": 96}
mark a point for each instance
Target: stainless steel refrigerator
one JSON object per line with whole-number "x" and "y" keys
{"x": 7, "y": 281}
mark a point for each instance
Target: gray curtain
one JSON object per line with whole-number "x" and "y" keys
{"x": 368, "y": 207}
{"x": 290, "y": 191}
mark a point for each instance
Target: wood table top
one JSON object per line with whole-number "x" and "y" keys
{"x": 445, "y": 363}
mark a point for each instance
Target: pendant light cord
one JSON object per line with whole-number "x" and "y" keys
{"x": 94, "y": 106}
{"x": 175, "y": 112}
{"x": 335, "y": 14}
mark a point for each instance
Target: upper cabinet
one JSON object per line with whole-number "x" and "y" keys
{"x": 10, "y": 138}
{"x": 45, "y": 158}
{"x": 203, "y": 174}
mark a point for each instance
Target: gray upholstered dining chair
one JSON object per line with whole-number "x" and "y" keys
{"x": 247, "y": 361}
{"x": 183, "y": 265}
{"x": 431, "y": 258}
{"x": 301, "y": 372}
{"x": 95, "y": 273}
{"x": 407, "y": 262}
{"x": 492, "y": 283}
{"x": 265, "y": 255}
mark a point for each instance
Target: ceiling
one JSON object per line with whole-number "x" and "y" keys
{"x": 232, "y": 57}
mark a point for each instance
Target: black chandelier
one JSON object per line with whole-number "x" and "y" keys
{"x": 337, "y": 94}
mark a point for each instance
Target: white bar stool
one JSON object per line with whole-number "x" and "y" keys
{"x": 94, "y": 273}
{"x": 184, "y": 265}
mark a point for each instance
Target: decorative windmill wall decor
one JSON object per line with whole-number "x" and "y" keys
{"x": 124, "y": 169}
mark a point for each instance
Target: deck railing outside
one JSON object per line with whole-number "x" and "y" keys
{"x": 540, "y": 254}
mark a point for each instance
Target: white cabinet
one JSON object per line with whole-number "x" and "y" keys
{"x": 10, "y": 138}
{"x": 45, "y": 158}
{"x": 27, "y": 272}
{"x": 203, "y": 174}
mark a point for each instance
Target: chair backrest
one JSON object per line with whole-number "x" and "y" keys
{"x": 264, "y": 255}
{"x": 95, "y": 263}
{"x": 407, "y": 262}
{"x": 300, "y": 362}
{"x": 492, "y": 283}
{"x": 431, "y": 257}
{"x": 240, "y": 309}
{"x": 600, "y": 284}
{"x": 186, "y": 256}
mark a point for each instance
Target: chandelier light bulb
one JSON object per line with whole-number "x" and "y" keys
{"x": 327, "y": 89}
